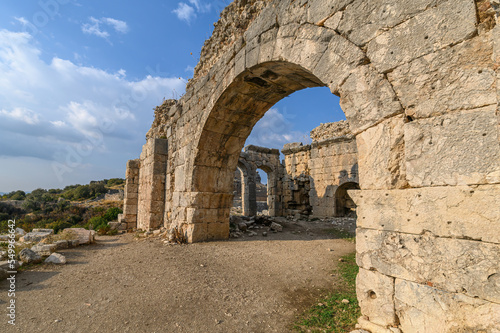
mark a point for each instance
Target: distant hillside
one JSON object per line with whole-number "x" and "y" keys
{"x": 75, "y": 205}
{"x": 72, "y": 192}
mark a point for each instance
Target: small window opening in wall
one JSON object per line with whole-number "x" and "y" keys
{"x": 262, "y": 192}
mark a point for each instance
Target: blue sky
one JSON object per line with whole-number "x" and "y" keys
{"x": 79, "y": 81}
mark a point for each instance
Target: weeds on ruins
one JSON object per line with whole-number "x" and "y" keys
{"x": 339, "y": 311}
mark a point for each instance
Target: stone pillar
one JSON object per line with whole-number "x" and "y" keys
{"x": 245, "y": 204}
{"x": 152, "y": 176}
{"x": 251, "y": 189}
{"x": 128, "y": 219}
{"x": 272, "y": 194}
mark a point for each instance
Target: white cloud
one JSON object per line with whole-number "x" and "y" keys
{"x": 274, "y": 130}
{"x": 188, "y": 12}
{"x": 200, "y": 7}
{"x": 119, "y": 26}
{"x": 95, "y": 26}
{"x": 185, "y": 12}
{"x": 50, "y": 108}
{"x": 22, "y": 20}
{"x": 190, "y": 70}
{"x": 23, "y": 114}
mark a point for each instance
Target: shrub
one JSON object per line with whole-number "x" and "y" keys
{"x": 103, "y": 229}
{"x": 115, "y": 181}
{"x": 17, "y": 195}
{"x": 59, "y": 225}
{"x": 96, "y": 222}
{"x": 112, "y": 214}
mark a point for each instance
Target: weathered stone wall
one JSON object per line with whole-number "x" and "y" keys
{"x": 326, "y": 164}
{"x": 418, "y": 82}
{"x": 296, "y": 179}
{"x": 151, "y": 199}
{"x": 130, "y": 202}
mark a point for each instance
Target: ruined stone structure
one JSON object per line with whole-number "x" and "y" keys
{"x": 317, "y": 175}
{"x": 251, "y": 159}
{"x": 418, "y": 82}
{"x": 313, "y": 179}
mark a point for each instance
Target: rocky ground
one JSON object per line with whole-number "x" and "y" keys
{"x": 142, "y": 284}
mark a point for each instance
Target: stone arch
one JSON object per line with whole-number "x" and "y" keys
{"x": 230, "y": 122}
{"x": 418, "y": 82}
{"x": 272, "y": 180}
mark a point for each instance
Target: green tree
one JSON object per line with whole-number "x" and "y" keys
{"x": 112, "y": 214}
{"x": 17, "y": 195}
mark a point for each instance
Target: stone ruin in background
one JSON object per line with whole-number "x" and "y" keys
{"x": 312, "y": 180}
{"x": 419, "y": 84}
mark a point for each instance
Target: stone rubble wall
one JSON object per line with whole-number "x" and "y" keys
{"x": 331, "y": 130}
{"x": 234, "y": 21}
{"x": 114, "y": 195}
{"x": 418, "y": 83}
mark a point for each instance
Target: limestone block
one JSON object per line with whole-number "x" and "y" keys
{"x": 460, "y": 77}
{"x": 366, "y": 98}
{"x": 63, "y": 244}
{"x": 291, "y": 11}
{"x": 423, "y": 309}
{"x": 160, "y": 146}
{"x": 310, "y": 44}
{"x": 180, "y": 179}
{"x": 44, "y": 250}
{"x": 196, "y": 232}
{"x": 496, "y": 44}
{"x": 375, "y": 293}
{"x": 337, "y": 61}
{"x": 28, "y": 256}
{"x": 84, "y": 236}
{"x": 423, "y": 34}
{"x": 157, "y": 206}
{"x": 130, "y": 209}
{"x": 131, "y": 188}
{"x": 36, "y": 236}
{"x": 320, "y": 10}
{"x": 458, "y": 212}
{"x": 56, "y": 258}
{"x": 284, "y": 41}
{"x": 454, "y": 149}
{"x": 218, "y": 231}
{"x": 240, "y": 62}
{"x": 202, "y": 215}
{"x": 131, "y": 196}
{"x": 334, "y": 21}
{"x": 381, "y": 155}
{"x": 364, "y": 20}
{"x": 264, "y": 21}
{"x": 252, "y": 52}
{"x": 454, "y": 265}
{"x": 267, "y": 45}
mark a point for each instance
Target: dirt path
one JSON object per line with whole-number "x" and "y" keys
{"x": 256, "y": 284}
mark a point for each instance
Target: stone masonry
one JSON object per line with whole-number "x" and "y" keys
{"x": 268, "y": 160}
{"x": 315, "y": 173}
{"x": 418, "y": 82}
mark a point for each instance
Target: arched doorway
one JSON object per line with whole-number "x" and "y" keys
{"x": 344, "y": 204}
{"x": 424, "y": 134}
